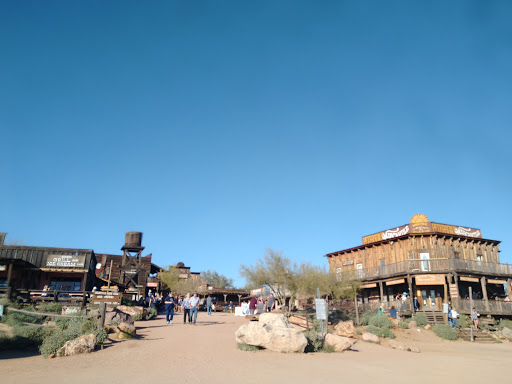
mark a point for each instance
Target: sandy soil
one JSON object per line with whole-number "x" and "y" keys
{"x": 207, "y": 353}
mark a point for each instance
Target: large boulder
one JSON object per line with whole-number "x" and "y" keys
{"x": 82, "y": 344}
{"x": 403, "y": 347}
{"x": 133, "y": 310}
{"x": 300, "y": 323}
{"x": 273, "y": 338}
{"x": 370, "y": 337}
{"x": 117, "y": 316}
{"x": 345, "y": 328}
{"x": 507, "y": 333}
{"x": 127, "y": 328}
{"x": 274, "y": 320}
{"x": 339, "y": 343}
{"x": 413, "y": 324}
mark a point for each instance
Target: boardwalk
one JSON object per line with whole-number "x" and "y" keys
{"x": 206, "y": 353}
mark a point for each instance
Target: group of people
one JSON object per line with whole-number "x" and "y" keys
{"x": 260, "y": 305}
{"x": 188, "y": 305}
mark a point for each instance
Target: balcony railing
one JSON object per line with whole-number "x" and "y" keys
{"x": 427, "y": 266}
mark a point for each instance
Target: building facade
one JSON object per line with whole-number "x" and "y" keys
{"x": 436, "y": 263}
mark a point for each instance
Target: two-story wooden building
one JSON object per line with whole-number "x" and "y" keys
{"x": 436, "y": 263}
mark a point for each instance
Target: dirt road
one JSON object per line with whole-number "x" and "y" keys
{"x": 207, "y": 353}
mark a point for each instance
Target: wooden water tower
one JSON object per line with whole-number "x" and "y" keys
{"x": 133, "y": 273}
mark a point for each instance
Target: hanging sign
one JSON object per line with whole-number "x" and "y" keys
{"x": 394, "y": 282}
{"x": 454, "y": 293}
{"x": 470, "y": 279}
{"x": 348, "y": 262}
{"x": 494, "y": 281}
{"x": 65, "y": 261}
{"x": 109, "y": 298}
{"x": 429, "y": 279}
{"x": 370, "y": 285}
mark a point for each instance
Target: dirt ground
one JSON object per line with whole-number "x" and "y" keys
{"x": 207, "y": 353}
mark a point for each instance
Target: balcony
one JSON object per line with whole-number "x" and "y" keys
{"x": 417, "y": 266}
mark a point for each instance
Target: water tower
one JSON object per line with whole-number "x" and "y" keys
{"x": 133, "y": 273}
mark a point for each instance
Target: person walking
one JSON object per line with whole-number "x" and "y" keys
{"x": 194, "y": 306}
{"x": 209, "y": 305}
{"x": 185, "y": 305}
{"x": 260, "y": 305}
{"x": 474, "y": 317}
{"x": 252, "y": 305}
{"x": 169, "y": 308}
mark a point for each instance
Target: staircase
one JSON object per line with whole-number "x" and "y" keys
{"x": 434, "y": 317}
{"x": 480, "y": 336}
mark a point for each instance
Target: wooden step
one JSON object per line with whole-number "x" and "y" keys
{"x": 479, "y": 336}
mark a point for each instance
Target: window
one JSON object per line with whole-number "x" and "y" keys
{"x": 359, "y": 271}
{"x": 338, "y": 274}
{"x": 382, "y": 267}
{"x": 425, "y": 264}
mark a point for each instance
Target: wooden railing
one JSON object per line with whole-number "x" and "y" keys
{"x": 426, "y": 266}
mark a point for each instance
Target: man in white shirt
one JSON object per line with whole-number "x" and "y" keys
{"x": 194, "y": 307}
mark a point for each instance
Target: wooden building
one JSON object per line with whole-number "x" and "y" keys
{"x": 24, "y": 268}
{"x": 436, "y": 263}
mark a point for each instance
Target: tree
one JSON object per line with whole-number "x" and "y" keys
{"x": 216, "y": 279}
{"x": 275, "y": 271}
{"x": 171, "y": 278}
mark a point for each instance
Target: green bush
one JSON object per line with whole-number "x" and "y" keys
{"x": 464, "y": 321}
{"x": 386, "y": 332}
{"x": 504, "y": 323}
{"x": 358, "y": 332}
{"x": 315, "y": 341}
{"x": 127, "y": 302}
{"x": 373, "y": 329}
{"x": 420, "y": 318}
{"x": 403, "y": 325}
{"x": 381, "y": 321}
{"x": 444, "y": 331}
{"x": 247, "y": 347}
{"x": 50, "y": 307}
{"x": 19, "y": 319}
{"x": 366, "y": 317}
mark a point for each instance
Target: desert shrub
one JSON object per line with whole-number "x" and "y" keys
{"x": 247, "y": 347}
{"x": 464, "y": 321}
{"x": 315, "y": 341}
{"x": 101, "y": 335}
{"x": 127, "y": 302}
{"x": 19, "y": 319}
{"x": 420, "y": 318}
{"x": 358, "y": 332}
{"x": 373, "y": 329}
{"x": 137, "y": 317}
{"x": 152, "y": 313}
{"x": 403, "y": 325}
{"x": 328, "y": 349}
{"x": 386, "y": 332}
{"x": 366, "y": 317}
{"x": 50, "y": 307}
{"x": 504, "y": 323}
{"x": 444, "y": 331}
{"x": 381, "y": 321}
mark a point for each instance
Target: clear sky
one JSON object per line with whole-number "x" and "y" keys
{"x": 220, "y": 128}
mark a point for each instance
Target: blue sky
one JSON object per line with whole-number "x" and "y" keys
{"x": 221, "y": 128}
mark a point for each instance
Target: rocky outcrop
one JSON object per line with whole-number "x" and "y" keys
{"x": 403, "y": 347}
{"x": 133, "y": 310}
{"x": 117, "y": 316}
{"x": 82, "y": 344}
{"x": 428, "y": 326}
{"x": 507, "y": 333}
{"x": 370, "y": 337}
{"x": 345, "y": 328}
{"x": 272, "y": 332}
{"x": 339, "y": 343}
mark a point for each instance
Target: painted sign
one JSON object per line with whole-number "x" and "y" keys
{"x": 386, "y": 235}
{"x": 109, "y": 298}
{"x": 429, "y": 279}
{"x": 494, "y": 281}
{"x": 370, "y": 285}
{"x": 65, "y": 261}
{"x": 152, "y": 284}
{"x": 394, "y": 282}
{"x": 321, "y": 309}
{"x": 470, "y": 279}
{"x": 454, "y": 230}
{"x": 454, "y": 293}
{"x": 348, "y": 262}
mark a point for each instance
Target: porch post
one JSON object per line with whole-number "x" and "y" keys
{"x": 484, "y": 292}
{"x": 411, "y": 294}
{"x": 445, "y": 299}
{"x": 381, "y": 292}
{"x": 509, "y": 288}
{"x": 9, "y": 278}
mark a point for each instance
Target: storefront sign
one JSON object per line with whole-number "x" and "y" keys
{"x": 152, "y": 284}
{"x": 394, "y": 282}
{"x": 454, "y": 293}
{"x": 499, "y": 282}
{"x": 109, "y": 298}
{"x": 65, "y": 261}
{"x": 429, "y": 279}
{"x": 386, "y": 235}
{"x": 453, "y": 230}
{"x": 470, "y": 279}
{"x": 370, "y": 285}
{"x": 348, "y": 262}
